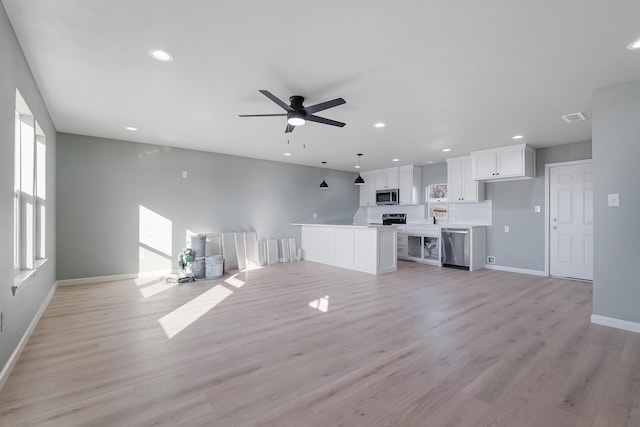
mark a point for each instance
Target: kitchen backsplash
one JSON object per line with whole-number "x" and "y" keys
{"x": 415, "y": 213}
{"x": 470, "y": 213}
{"x": 459, "y": 213}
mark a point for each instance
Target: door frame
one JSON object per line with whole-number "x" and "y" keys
{"x": 547, "y": 198}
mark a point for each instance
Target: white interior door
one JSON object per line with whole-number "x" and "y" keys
{"x": 571, "y": 221}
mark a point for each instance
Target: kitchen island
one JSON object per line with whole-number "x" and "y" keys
{"x": 367, "y": 248}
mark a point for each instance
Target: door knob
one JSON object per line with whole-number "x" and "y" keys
{"x": 554, "y": 227}
{"x": 554, "y": 220}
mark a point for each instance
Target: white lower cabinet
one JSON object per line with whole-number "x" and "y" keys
{"x": 361, "y": 248}
{"x": 403, "y": 247}
{"x": 420, "y": 246}
{"x": 424, "y": 244}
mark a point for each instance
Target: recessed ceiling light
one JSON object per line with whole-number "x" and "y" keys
{"x": 131, "y": 128}
{"x": 517, "y": 137}
{"x": 379, "y": 125}
{"x": 431, "y": 162}
{"x": 446, "y": 150}
{"x": 287, "y": 154}
{"x": 357, "y": 166}
{"x": 634, "y": 45}
{"x": 161, "y": 55}
{"x": 395, "y": 160}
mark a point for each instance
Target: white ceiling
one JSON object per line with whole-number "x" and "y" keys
{"x": 464, "y": 75}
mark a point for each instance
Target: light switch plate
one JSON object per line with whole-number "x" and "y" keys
{"x": 614, "y": 199}
{"x": 315, "y": 215}
{"x": 537, "y": 208}
{"x": 185, "y": 174}
{"x": 506, "y": 228}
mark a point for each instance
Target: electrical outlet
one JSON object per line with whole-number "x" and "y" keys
{"x": 315, "y": 215}
{"x": 185, "y": 174}
{"x": 491, "y": 260}
{"x": 506, "y": 228}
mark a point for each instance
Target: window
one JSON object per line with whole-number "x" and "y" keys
{"x": 29, "y": 196}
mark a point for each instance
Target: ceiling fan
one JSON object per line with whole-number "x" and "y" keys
{"x": 297, "y": 114}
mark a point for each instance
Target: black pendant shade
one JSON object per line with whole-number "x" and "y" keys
{"x": 323, "y": 184}
{"x": 359, "y": 180}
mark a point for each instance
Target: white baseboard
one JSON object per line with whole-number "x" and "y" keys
{"x": 113, "y": 278}
{"x": 13, "y": 359}
{"x": 515, "y": 270}
{"x": 97, "y": 279}
{"x": 615, "y": 323}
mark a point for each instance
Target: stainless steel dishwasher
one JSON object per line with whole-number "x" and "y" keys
{"x": 456, "y": 248}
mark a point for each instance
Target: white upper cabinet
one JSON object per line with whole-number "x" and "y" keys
{"x": 503, "y": 164}
{"x": 386, "y": 178}
{"x": 368, "y": 190}
{"x": 406, "y": 179}
{"x": 409, "y": 185}
{"x": 461, "y": 186}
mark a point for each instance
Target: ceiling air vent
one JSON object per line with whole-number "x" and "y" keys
{"x": 574, "y": 117}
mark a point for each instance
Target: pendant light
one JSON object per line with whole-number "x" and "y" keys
{"x": 359, "y": 180}
{"x": 323, "y": 184}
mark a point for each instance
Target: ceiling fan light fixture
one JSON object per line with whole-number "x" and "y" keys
{"x": 296, "y": 121}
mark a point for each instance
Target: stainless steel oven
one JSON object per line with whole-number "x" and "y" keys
{"x": 394, "y": 218}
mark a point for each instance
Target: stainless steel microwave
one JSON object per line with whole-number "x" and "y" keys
{"x": 387, "y": 197}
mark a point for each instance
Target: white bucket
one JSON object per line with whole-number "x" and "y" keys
{"x": 198, "y": 267}
{"x": 198, "y": 244}
{"x": 213, "y": 266}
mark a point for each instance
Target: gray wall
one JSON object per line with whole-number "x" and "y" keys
{"x": 103, "y": 182}
{"x": 616, "y": 153}
{"x": 20, "y": 310}
{"x": 513, "y": 205}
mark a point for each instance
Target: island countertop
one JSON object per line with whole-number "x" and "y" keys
{"x": 343, "y": 224}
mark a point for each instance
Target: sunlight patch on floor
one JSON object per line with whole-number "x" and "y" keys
{"x": 321, "y": 304}
{"x": 234, "y": 281}
{"x": 146, "y": 280}
{"x": 152, "y": 290}
{"x": 183, "y": 316}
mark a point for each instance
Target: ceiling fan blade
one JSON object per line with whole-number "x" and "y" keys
{"x": 325, "y": 105}
{"x": 324, "y": 121}
{"x": 289, "y": 128}
{"x": 260, "y": 115}
{"x": 275, "y": 99}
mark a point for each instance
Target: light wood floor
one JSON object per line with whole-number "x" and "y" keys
{"x": 425, "y": 346}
